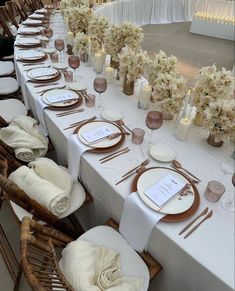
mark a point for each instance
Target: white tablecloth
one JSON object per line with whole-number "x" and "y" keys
{"x": 148, "y": 11}
{"x": 204, "y": 261}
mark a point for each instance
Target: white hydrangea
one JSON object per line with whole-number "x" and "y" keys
{"x": 78, "y": 18}
{"x": 81, "y": 41}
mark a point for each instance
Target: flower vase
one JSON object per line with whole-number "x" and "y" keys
{"x": 128, "y": 87}
{"x": 211, "y": 140}
{"x": 167, "y": 115}
{"x": 115, "y": 65}
{"x": 69, "y": 50}
{"x": 84, "y": 57}
{"x": 199, "y": 119}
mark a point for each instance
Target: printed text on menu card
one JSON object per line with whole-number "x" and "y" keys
{"x": 164, "y": 190}
{"x": 97, "y": 133}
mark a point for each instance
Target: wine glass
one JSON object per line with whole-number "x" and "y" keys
{"x": 48, "y": 32}
{"x": 100, "y": 86}
{"x": 74, "y": 63}
{"x": 153, "y": 121}
{"x": 59, "y": 45}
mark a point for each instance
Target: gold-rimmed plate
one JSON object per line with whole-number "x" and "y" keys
{"x": 178, "y": 216}
{"x": 43, "y": 75}
{"x": 76, "y": 99}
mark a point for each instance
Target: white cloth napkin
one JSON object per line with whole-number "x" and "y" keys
{"x": 137, "y": 222}
{"x": 75, "y": 151}
{"x": 39, "y": 107}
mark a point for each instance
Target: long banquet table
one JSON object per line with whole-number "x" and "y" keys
{"x": 205, "y": 260}
{"x": 148, "y": 11}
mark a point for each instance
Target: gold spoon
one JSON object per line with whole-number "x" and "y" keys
{"x": 138, "y": 171}
{"x": 144, "y": 163}
{"x": 178, "y": 165}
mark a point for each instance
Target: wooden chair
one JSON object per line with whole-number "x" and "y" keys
{"x": 22, "y": 13}
{"x": 3, "y": 23}
{"x": 14, "y": 12}
{"x": 40, "y": 263}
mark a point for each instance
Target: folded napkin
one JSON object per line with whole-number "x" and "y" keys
{"x": 75, "y": 151}
{"x": 137, "y": 222}
{"x": 24, "y": 137}
{"x": 89, "y": 267}
{"x": 44, "y": 192}
{"x": 31, "y": 55}
{"x": 28, "y": 29}
{"x": 43, "y": 73}
{"x": 48, "y": 170}
{"x": 27, "y": 41}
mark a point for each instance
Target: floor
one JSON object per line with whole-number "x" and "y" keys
{"x": 193, "y": 51}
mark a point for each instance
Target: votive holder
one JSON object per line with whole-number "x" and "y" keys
{"x": 54, "y": 58}
{"x": 214, "y": 191}
{"x": 68, "y": 76}
{"x": 137, "y": 135}
{"x": 90, "y": 101}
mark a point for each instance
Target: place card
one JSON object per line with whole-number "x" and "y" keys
{"x": 164, "y": 190}
{"x": 60, "y": 97}
{"x": 97, "y": 133}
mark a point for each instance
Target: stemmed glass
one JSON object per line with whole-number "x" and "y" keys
{"x": 228, "y": 203}
{"x": 74, "y": 63}
{"x": 153, "y": 121}
{"x": 59, "y": 45}
{"x": 100, "y": 86}
{"x": 48, "y": 32}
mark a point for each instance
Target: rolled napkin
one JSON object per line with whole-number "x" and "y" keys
{"x": 44, "y": 192}
{"x": 48, "y": 170}
{"x": 89, "y": 267}
{"x": 24, "y": 137}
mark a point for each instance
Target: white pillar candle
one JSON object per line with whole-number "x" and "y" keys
{"x": 103, "y": 53}
{"x": 183, "y": 128}
{"x": 109, "y": 74}
{"x": 107, "y": 60}
{"x": 98, "y": 62}
{"x": 70, "y": 37}
{"x": 144, "y": 97}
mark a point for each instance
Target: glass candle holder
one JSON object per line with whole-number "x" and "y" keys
{"x": 137, "y": 135}
{"x": 68, "y": 76}
{"x": 90, "y": 102}
{"x": 214, "y": 191}
{"x": 54, "y": 58}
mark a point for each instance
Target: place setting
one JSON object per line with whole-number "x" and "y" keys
{"x": 31, "y": 57}
{"x": 43, "y": 75}
{"x": 32, "y": 22}
{"x": 29, "y": 31}
{"x": 27, "y": 43}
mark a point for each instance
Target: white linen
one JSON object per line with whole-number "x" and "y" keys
{"x": 23, "y": 136}
{"x": 137, "y": 222}
{"x": 45, "y": 193}
{"x": 75, "y": 150}
{"x": 48, "y": 170}
{"x": 89, "y": 267}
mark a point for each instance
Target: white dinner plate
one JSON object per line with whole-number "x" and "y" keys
{"x": 31, "y": 55}
{"x": 28, "y": 30}
{"x": 49, "y": 50}
{"x": 41, "y": 74}
{"x": 102, "y": 144}
{"x": 176, "y": 205}
{"x": 32, "y": 22}
{"x": 60, "y": 65}
{"x": 111, "y": 115}
{"x": 36, "y": 16}
{"x": 24, "y": 41}
{"x": 78, "y": 86}
{"x": 60, "y": 91}
{"x": 162, "y": 152}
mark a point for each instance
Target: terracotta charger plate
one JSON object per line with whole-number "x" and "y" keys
{"x": 30, "y": 33}
{"x": 106, "y": 149}
{"x": 174, "y": 217}
{"x": 33, "y": 61}
{"x": 28, "y": 45}
{"x": 48, "y": 80}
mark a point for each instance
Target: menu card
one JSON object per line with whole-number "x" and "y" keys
{"x": 31, "y": 55}
{"x": 28, "y": 41}
{"x": 164, "y": 190}
{"x": 60, "y": 97}
{"x": 97, "y": 133}
{"x": 42, "y": 73}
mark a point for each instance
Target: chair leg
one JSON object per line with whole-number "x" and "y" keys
{"x": 18, "y": 277}
{"x": 76, "y": 224}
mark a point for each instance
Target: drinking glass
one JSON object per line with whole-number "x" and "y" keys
{"x": 100, "y": 86}
{"x": 48, "y": 32}
{"x": 153, "y": 121}
{"x": 59, "y": 45}
{"x": 228, "y": 203}
{"x": 137, "y": 135}
{"x": 74, "y": 63}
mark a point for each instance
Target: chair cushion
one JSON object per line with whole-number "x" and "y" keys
{"x": 6, "y": 68}
{"x": 8, "y": 85}
{"x": 10, "y": 108}
{"x": 131, "y": 262}
{"x": 77, "y": 196}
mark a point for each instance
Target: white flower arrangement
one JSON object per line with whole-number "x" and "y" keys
{"x": 132, "y": 63}
{"x": 220, "y": 119}
{"x": 81, "y": 42}
{"x": 160, "y": 64}
{"x": 118, "y": 36}
{"x": 169, "y": 91}
{"x": 78, "y": 18}
{"x": 212, "y": 85}
{"x": 73, "y": 3}
{"x": 96, "y": 30}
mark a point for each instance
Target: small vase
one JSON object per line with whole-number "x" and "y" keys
{"x": 211, "y": 141}
{"x": 115, "y": 65}
{"x": 128, "y": 87}
{"x": 167, "y": 116}
{"x": 84, "y": 57}
{"x": 199, "y": 119}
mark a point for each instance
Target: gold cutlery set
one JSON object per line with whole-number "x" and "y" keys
{"x": 203, "y": 213}
{"x": 114, "y": 155}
